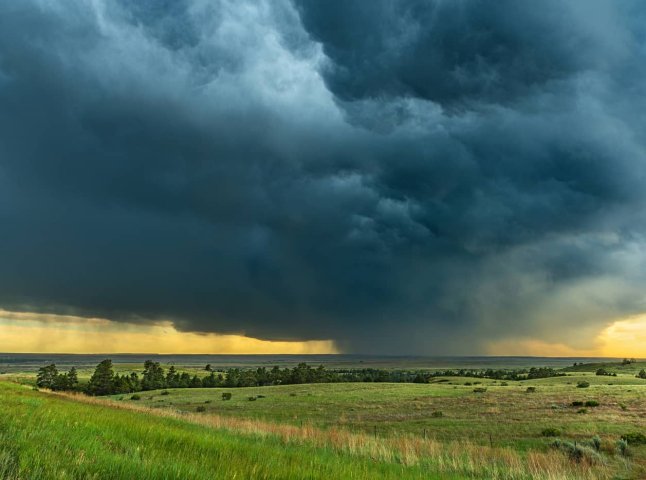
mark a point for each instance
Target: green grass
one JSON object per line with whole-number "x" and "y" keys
{"x": 506, "y": 415}
{"x": 44, "y": 436}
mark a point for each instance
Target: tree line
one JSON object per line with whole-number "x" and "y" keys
{"x": 104, "y": 381}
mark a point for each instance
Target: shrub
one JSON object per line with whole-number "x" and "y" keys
{"x": 635, "y": 438}
{"x": 200, "y": 409}
{"x": 468, "y": 383}
{"x": 583, "y": 384}
{"x": 530, "y": 389}
{"x": 135, "y": 397}
{"x": 503, "y": 384}
{"x": 622, "y": 447}
{"x": 437, "y": 414}
{"x": 582, "y": 410}
{"x": 577, "y": 403}
{"x": 226, "y": 395}
{"x": 591, "y": 403}
{"x": 165, "y": 392}
{"x": 596, "y": 442}
{"x": 252, "y": 399}
{"x": 207, "y": 401}
{"x": 577, "y": 452}
{"x": 479, "y": 390}
{"x": 260, "y": 396}
{"x": 550, "y": 432}
{"x": 292, "y": 394}
{"x": 623, "y": 406}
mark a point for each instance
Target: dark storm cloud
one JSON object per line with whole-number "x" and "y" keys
{"x": 392, "y": 175}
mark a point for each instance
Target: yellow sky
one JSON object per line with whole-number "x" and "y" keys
{"x": 39, "y": 333}
{"x": 622, "y": 338}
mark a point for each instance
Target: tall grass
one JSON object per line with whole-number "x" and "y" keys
{"x": 409, "y": 453}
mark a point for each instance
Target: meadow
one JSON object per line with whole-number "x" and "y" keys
{"x": 452, "y": 427}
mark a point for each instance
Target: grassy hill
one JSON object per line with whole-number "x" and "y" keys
{"x": 44, "y": 435}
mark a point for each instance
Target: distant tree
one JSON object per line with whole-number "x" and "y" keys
{"x": 46, "y": 377}
{"x": 72, "y": 378}
{"x": 642, "y": 374}
{"x": 153, "y": 376}
{"x": 102, "y": 380}
{"x": 208, "y": 367}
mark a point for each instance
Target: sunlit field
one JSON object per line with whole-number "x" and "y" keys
{"x": 452, "y": 427}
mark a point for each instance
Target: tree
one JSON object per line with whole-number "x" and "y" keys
{"x": 642, "y": 374}
{"x": 72, "y": 378}
{"x": 102, "y": 380}
{"x": 46, "y": 377}
{"x": 208, "y": 367}
{"x": 153, "y": 376}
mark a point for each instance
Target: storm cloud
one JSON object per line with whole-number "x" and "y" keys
{"x": 398, "y": 176}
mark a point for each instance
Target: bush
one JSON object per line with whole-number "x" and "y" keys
{"x": 135, "y": 397}
{"x": 530, "y": 389}
{"x": 252, "y": 399}
{"x": 207, "y": 401}
{"x": 622, "y": 447}
{"x": 623, "y": 406}
{"x": 596, "y": 442}
{"x": 583, "y": 384}
{"x": 200, "y": 409}
{"x": 467, "y": 384}
{"x": 479, "y": 390}
{"x": 591, "y": 403}
{"x": 292, "y": 394}
{"x": 582, "y": 410}
{"x": 577, "y": 403}
{"x": 503, "y": 384}
{"x": 634, "y": 438}
{"x": 437, "y": 414}
{"x": 577, "y": 452}
{"x": 550, "y": 432}
{"x": 165, "y": 392}
{"x": 226, "y": 395}
{"x": 260, "y": 396}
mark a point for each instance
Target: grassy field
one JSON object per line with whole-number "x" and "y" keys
{"x": 503, "y": 415}
{"x": 44, "y": 435}
{"x": 443, "y": 429}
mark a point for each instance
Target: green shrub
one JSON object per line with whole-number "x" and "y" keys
{"x": 200, "y": 409}
{"x": 577, "y": 452}
{"x": 583, "y": 384}
{"x": 226, "y": 395}
{"x": 479, "y": 390}
{"x": 468, "y": 384}
{"x": 622, "y": 447}
{"x": 260, "y": 396}
{"x": 623, "y": 406}
{"x": 135, "y": 397}
{"x": 591, "y": 403}
{"x": 165, "y": 392}
{"x": 530, "y": 389}
{"x": 252, "y": 399}
{"x": 503, "y": 384}
{"x": 550, "y": 432}
{"x": 582, "y": 410}
{"x": 577, "y": 403}
{"x": 437, "y": 414}
{"x": 635, "y": 438}
{"x": 596, "y": 442}
{"x": 207, "y": 401}
{"x": 293, "y": 394}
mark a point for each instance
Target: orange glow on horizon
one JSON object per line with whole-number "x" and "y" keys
{"x": 39, "y": 333}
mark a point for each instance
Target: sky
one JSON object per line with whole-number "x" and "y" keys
{"x": 310, "y": 176}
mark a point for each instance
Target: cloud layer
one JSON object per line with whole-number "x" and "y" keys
{"x": 397, "y": 176}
